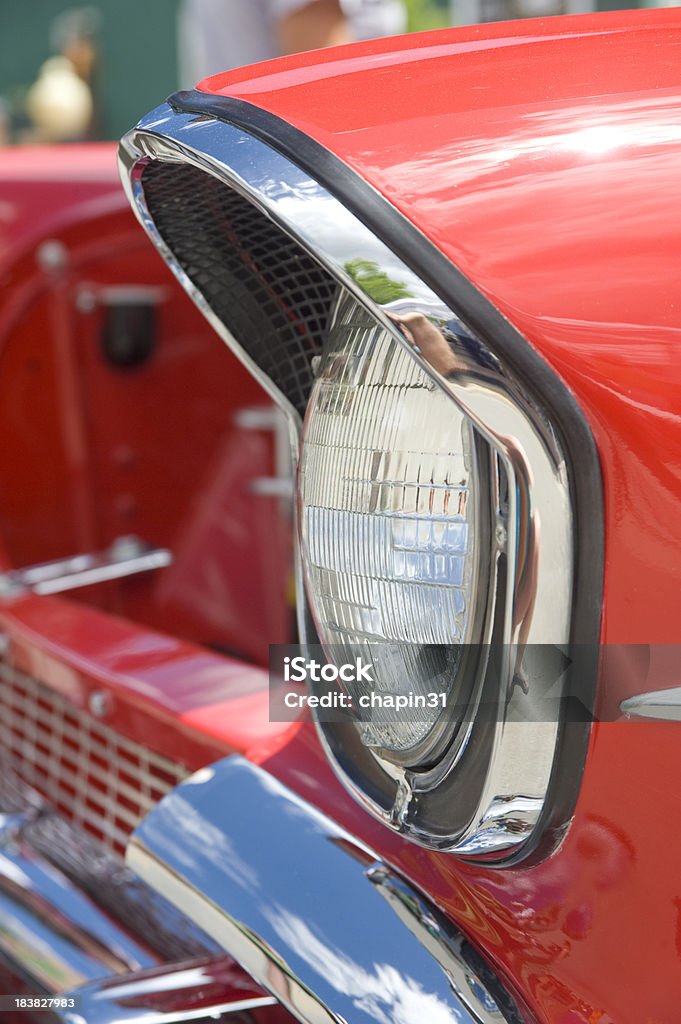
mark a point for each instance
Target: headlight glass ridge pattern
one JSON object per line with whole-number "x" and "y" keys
{"x": 390, "y": 525}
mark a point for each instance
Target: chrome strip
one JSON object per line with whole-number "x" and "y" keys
{"x": 663, "y": 705}
{"x": 66, "y": 871}
{"x": 281, "y": 485}
{"x": 539, "y": 595}
{"x": 305, "y": 908}
{"x": 127, "y": 556}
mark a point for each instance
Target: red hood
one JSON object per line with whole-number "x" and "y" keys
{"x": 531, "y": 153}
{"x": 542, "y": 157}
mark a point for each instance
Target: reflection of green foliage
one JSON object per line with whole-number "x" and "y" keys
{"x": 425, "y": 14}
{"x": 375, "y": 282}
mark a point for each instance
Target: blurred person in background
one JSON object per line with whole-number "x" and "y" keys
{"x": 216, "y": 35}
{"x": 61, "y": 102}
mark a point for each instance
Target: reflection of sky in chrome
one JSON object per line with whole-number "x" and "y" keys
{"x": 196, "y": 833}
{"x": 279, "y": 867}
{"x": 385, "y": 994}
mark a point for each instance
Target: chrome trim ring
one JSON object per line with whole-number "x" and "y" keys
{"x": 500, "y": 807}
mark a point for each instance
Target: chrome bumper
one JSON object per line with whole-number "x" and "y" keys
{"x": 50, "y": 927}
{"x": 200, "y": 991}
{"x": 320, "y": 927}
{"x": 310, "y": 913}
{"x": 73, "y": 917}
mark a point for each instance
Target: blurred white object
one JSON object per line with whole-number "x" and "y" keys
{"x": 217, "y": 35}
{"x": 59, "y": 103}
{"x": 369, "y": 19}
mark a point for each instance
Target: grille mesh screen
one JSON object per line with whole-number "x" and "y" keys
{"x": 92, "y": 774}
{"x": 272, "y": 296}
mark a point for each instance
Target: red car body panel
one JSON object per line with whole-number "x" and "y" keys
{"x": 99, "y": 452}
{"x": 44, "y": 187}
{"x": 545, "y": 163}
{"x": 180, "y": 700}
{"x": 92, "y": 453}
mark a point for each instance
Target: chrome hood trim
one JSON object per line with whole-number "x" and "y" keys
{"x": 311, "y": 913}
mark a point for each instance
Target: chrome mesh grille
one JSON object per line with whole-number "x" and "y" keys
{"x": 270, "y": 294}
{"x": 93, "y": 775}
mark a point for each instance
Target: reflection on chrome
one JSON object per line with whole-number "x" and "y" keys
{"x": 382, "y": 992}
{"x": 532, "y": 542}
{"x": 321, "y": 931}
{"x": 664, "y": 705}
{"x": 198, "y": 990}
{"x": 450, "y": 356}
{"x": 218, "y": 846}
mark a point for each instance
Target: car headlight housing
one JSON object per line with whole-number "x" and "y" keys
{"x": 441, "y": 478}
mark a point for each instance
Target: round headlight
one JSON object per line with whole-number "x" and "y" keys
{"x": 448, "y": 503}
{"x": 393, "y": 517}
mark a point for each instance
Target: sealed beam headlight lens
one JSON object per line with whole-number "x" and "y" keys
{"x": 393, "y": 520}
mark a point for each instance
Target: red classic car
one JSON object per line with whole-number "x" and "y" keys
{"x": 452, "y": 261}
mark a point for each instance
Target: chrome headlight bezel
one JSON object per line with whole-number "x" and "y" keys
{"x": 497, "y": 802}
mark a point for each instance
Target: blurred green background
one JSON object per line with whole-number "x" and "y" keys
{"x": 137, "y": 65}
{"x": 426, "y": 14}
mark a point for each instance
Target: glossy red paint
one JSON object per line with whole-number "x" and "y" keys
{"x": 157, "y": 450}
{"x": 544, "y": 159}
{"x": 182, "y": 701}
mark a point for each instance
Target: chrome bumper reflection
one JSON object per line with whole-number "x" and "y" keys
{"x": 49, "y": 928}
{"x": 308, "y": 911}
{"x": 176, "y": 994}
{"x": 70, "y": 912}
